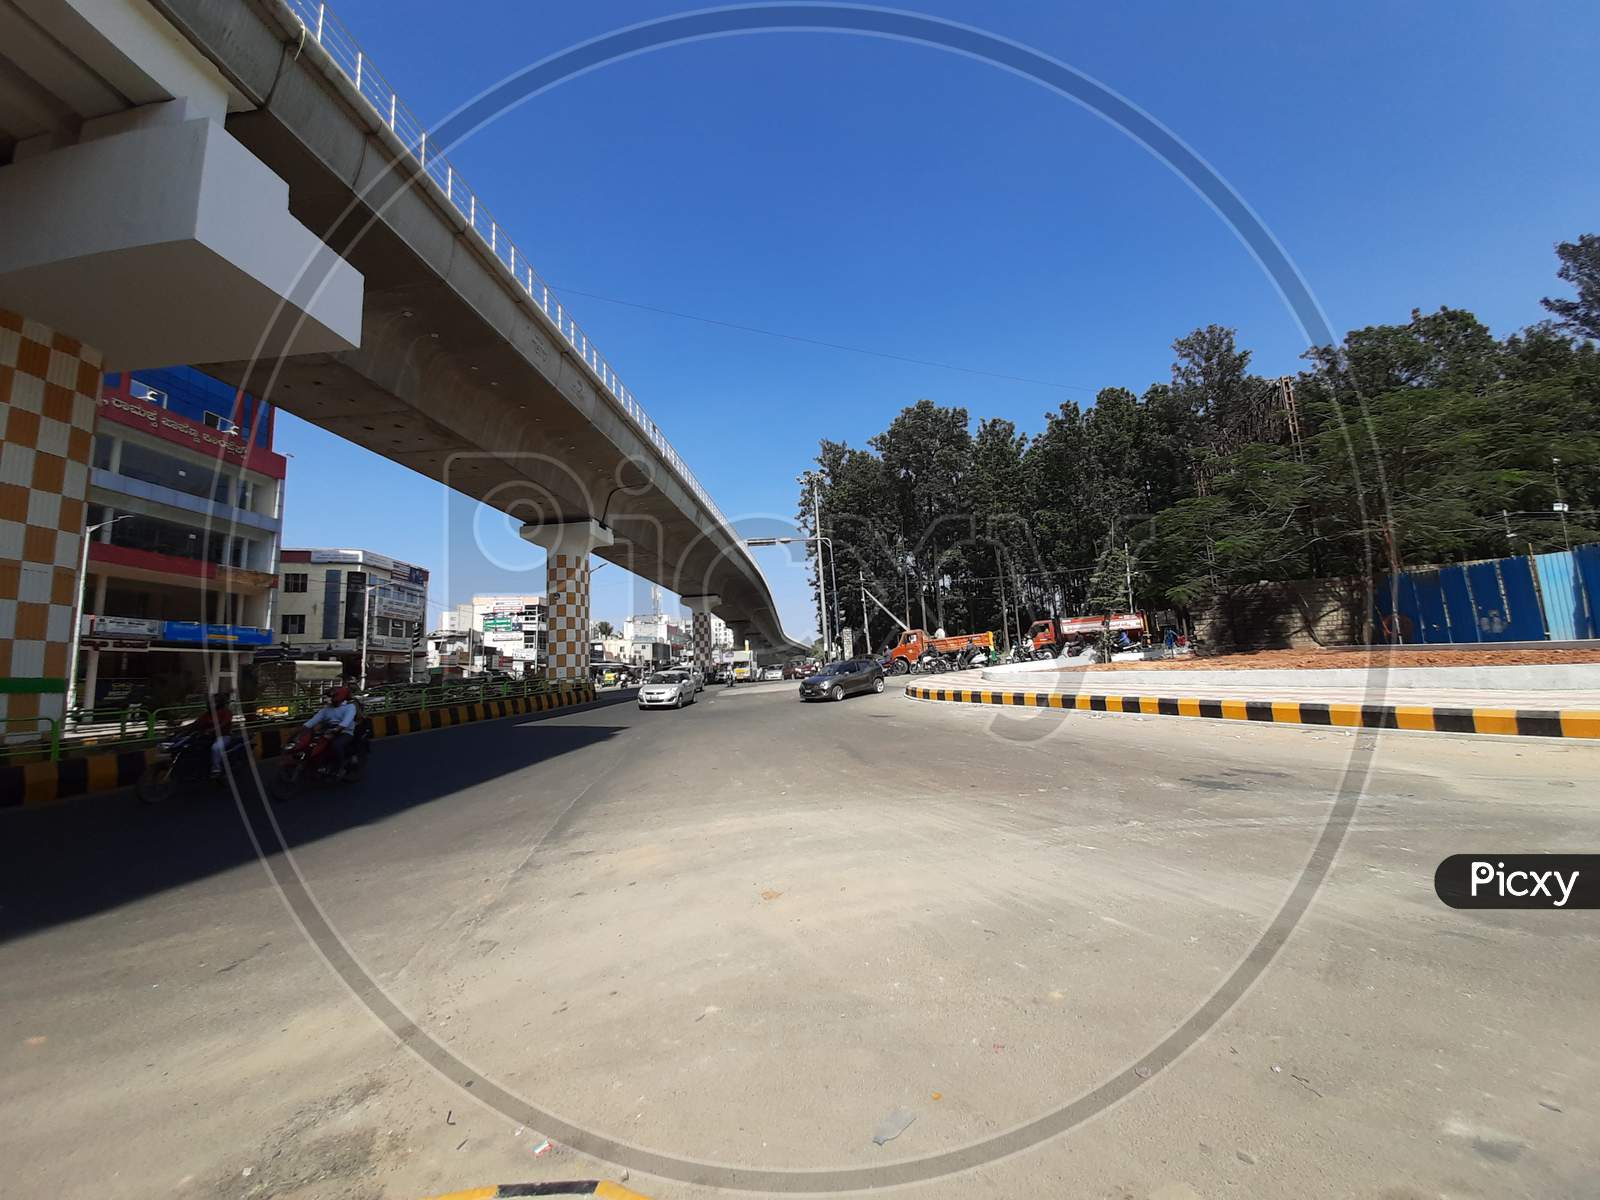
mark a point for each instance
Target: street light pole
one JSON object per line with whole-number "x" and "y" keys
{"x": 866, "y": 623}
{"x": 77, "y": 610}
{"x": 822, "y": 578}
{"x": 366, "y": 629}
{"x": 833, "y": 577}
{"x": 1127, "y": 563}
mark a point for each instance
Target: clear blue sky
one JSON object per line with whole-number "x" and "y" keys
{"x": 894, "y": 197}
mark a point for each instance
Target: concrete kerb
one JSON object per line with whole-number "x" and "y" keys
{"x": 1061, "y": 674}
{"x": 603, "y": 1188}
{"x": 33, "y": 784}
{"x": 1420, "y": 718}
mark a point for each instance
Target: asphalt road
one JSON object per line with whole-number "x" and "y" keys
{"x": 745, "y": 932}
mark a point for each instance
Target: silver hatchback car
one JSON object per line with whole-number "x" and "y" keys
{"x": 667, "y": 689}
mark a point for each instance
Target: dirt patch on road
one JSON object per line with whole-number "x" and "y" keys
{"x": 322, "y": 1151}
{"x": 1322, "y": 660}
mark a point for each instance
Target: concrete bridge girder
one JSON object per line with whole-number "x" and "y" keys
{"x": 459, "y": 375}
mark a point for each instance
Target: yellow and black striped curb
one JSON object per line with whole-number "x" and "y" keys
{"x": 1522, "y": 722}
{"x": 603, "y": 1188}
{"x": 87, "y": 774}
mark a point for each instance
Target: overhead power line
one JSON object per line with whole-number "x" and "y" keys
{"x": 811, "y": 341}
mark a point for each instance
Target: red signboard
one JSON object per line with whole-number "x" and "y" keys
{"x": 181, "y": 431}
{"x": 1128, "y": 621}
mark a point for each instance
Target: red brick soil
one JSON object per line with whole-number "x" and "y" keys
{"x": 1300, "y": 660}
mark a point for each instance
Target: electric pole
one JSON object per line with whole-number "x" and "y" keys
{"x": 1560, "y": 505}
{"x": 866, "y": 622}
{"x": 822, "y": 579}
{"x": 1005, "y": 617}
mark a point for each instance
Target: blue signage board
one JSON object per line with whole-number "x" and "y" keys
{"x": 194, "y": 633}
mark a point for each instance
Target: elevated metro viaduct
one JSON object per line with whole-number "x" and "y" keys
{"x": 270, "y": 223}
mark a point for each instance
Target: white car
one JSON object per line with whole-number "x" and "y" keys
{"x": 770, "y": 674}
{"x": 667, "y": 689}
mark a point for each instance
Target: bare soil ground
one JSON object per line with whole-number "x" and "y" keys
{"x": 1301, "y": 660}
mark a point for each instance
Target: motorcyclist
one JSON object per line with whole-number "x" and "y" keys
{"x": 217, "y": 724}
{"x": 339, "y": 715}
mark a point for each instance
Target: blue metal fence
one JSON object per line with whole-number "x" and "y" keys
{"x": 1561, "y": 584}
{"x": 1552, "y": 596}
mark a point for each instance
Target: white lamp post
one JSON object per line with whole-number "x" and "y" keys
{"x": 77, "y": 607}
{"x": 366, "y": 627}
{"x": 822, "y": 579}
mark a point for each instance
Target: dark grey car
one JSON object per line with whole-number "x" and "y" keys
{"x": 838, "y": 680}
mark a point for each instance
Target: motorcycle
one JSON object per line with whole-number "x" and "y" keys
{"x": 311, "y": 759}
{"x": 186, "y": 768}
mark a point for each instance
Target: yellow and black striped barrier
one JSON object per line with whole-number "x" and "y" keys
{"x": 603, "y": 1188}
{"x": 1520, "y": 722}
{"x": 26, "y": 784}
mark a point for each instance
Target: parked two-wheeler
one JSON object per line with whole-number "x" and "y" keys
{"x": 312, "y": 760}
{"x": 185, "y": 769}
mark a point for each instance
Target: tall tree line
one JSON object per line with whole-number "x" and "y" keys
{"x": 1422, "y": 443}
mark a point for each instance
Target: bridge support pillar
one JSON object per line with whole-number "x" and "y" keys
{"x": 566, "y": 574}
{"x": 701, "y": 607}
{"x": 49, "y": 395}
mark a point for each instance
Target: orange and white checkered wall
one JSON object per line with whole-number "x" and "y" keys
{"x": 49, "y": 384}
{"x": 566, "y": 616}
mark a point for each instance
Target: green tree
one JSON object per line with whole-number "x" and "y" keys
{"x": 1108, "y": 585}
{"x": 1580, "y": 266}
{"x": 999, "y": 547}
{"x": 1211, "y": 378}
{"x": 1420, "y": 442}
{"x": 857, "y": 511}
{"x": 926, "y": 453}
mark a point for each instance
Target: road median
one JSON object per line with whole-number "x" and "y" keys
{"x": 1486, "y": 718}
{"x": 90, "y": 773}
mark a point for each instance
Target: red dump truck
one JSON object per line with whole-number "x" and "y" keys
{"x": 914, "y": 643}
{"x": 1049, "y": 637}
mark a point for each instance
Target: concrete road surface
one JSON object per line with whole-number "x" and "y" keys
{"x": 746, "y": 932}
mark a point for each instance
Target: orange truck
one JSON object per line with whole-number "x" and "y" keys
{"x": 1049, "y": 637}
{"x": 914, "y": 643}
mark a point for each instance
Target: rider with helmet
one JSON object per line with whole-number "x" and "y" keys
{"x": 216, "y": 725}
{"x": 339, "y": 715}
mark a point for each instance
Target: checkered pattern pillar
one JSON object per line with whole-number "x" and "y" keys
{"x": 49, "y": 389}
{"x": 702, "y": 642}
{"x": 567, "y": 616}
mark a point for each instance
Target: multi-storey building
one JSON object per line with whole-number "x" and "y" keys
{"x": 185, "y": 504}
{"x": 366, "y": 609}
{"x": 654, "y": 638}
{"x": 513, "y": 629}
